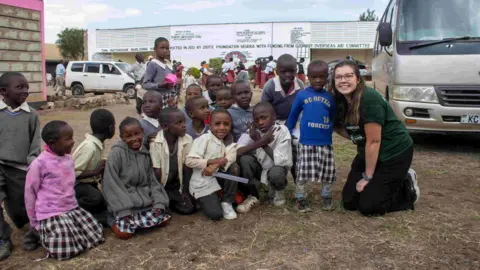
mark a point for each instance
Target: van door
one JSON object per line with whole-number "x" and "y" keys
{"x": 111, "y": 78}
{"x": 91, "y": 77}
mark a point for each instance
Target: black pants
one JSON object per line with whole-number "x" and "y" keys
{"x": 184, "y": 205}
{"x": 251, "y": 169}
{"x": 388, "y": 191}
{"x": 12, "y": 194}
{"x": 139, "y": 105}
{"x": 90, "y": 198}
{"x": 210, "y": 204}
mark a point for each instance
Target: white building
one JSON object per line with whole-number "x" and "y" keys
{"x": 192, "y": 44}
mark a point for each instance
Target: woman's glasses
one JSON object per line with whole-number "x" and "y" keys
{"x": 347, "y": 77}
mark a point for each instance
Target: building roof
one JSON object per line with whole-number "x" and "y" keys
{"x": 52, "y": 52}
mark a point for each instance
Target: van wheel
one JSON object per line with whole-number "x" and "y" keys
{"x": 130, "y": 91}
{"x": 78, "y": 90}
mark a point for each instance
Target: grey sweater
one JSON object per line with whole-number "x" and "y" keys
{"x": 155, "y": 74}
{"x": 129, "y": 183}
{"x": 20, "y": 139}
{"x": 243, "y": 76}
{"x": 148, "y": 129}
{"x": 240, "y": 120}
{"x": 282, "y": 103}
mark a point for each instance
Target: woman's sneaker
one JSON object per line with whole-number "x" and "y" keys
{"x": 279, "y": 198}
{"x": 302, "y": 206}
{"x": 412, "y": 177}
{"x": 5, "y": 249}
{"x": 247, "y": 204}
{"x": 228, "y": 212}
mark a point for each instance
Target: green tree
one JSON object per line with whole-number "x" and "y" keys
{"x": 216, "y": 64}
{"x": 368, "y": 16}
{"x": 195, "y": 72}
{"x": 70, "y": 43}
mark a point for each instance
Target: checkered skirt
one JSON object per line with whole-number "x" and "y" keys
{"x": 145, "y": 219}
{"x": 166, "y": 96}
{"x": 316, "y": 164}
{"x": 67, "y": 235}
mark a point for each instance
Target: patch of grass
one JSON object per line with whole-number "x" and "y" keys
{"x": 435, "y": 172}
{"x": 344, "y": 153}
{"x": 398, "y": 230}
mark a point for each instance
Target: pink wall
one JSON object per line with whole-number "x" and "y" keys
{"x": 35, "y": 5}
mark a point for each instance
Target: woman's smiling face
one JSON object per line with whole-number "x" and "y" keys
{"x": 345, "y": 80}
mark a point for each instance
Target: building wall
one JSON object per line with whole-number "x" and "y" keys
{"x": 192, "y": 44}
{"x": 21, "y": 43}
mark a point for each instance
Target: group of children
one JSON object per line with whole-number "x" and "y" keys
{"x": 179, "y": 160}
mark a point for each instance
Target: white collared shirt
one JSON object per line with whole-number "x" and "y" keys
{"x": 152, "y": 121}
{"x": 24, "y": 107}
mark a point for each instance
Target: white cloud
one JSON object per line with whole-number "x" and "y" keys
{"x": 60, "y": 14}
{"x": 199, "y": 5}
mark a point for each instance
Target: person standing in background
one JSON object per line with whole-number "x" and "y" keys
{"x": 60, "y": 78}
{"x": 138, "y": 70}
{"x": 270, "y": 69}
{"x": 301, "y": 70}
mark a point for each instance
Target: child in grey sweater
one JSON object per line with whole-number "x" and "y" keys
{"x": 19, "y": 145}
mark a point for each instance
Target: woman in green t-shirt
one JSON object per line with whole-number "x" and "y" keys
{"x": 380, "y": 179}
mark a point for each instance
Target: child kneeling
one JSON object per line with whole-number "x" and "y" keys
{"x": 134, "y": 196}
{"x": 211, "y": 152}
{"x": 65, "y": 229}
{"x": 271, "y": 159}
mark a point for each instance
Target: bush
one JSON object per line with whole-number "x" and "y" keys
{"x": 216, "y": 65}
{"x": 195, "y": 72}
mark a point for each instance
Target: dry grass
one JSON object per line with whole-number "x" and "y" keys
{"x": 443, "y": 232}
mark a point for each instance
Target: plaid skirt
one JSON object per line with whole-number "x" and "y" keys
{"x": 315, "y": 163}
{"x": 142, "y": 220}
{"x": 67, "y": 235}
{"x": 166, "y": 96}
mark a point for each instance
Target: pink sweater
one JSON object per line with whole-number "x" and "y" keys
{"x": 49, "y": 187}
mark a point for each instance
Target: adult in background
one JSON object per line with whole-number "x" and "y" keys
{"x": 60, "y": 78}
{"x": 179, "y": 73}
{"x": 270, "y": 69}
{"x": 205, "y": 72}
{"x": 380, "y": 180}
{"x": 257, "y": 69}
{"x": 230, "y": 71}
{"x": 138, "y": 70}
{"x": 301, "y": 70}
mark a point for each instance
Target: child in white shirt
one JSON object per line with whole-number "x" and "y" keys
{"x": 271, "y": 159}
{"x": 209, "y": 153}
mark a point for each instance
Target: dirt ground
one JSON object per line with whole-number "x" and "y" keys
{"x": 442, "y": 233}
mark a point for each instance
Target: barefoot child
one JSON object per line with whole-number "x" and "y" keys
{"x": 65, "y": 229}
{"x": 169, "y": 152}
{"x": 155, "y": 77}
{"x": 241, "y": 111}
{"x": 152, "y": 105}
{"x": 89, "y": 165}
{"x": 197, "y": 110}
{"x": 272, "y": 159}
{"x": 224, "y": 98}
{"x": 213, "y": 84}
{"x": 315, "y": 151}
{"x": 209, "y": 154}
{"x": 134, "y": 196}
{"x": 19, "y": 145}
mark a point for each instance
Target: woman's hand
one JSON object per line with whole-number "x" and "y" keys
{"x": 361, "y": 185}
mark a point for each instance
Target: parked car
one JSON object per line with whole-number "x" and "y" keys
{"x": 99, "y": 77}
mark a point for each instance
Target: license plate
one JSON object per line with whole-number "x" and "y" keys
{"x": 470, "y": 119}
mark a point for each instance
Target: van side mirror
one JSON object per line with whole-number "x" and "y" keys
{"x": 385, "y": 34}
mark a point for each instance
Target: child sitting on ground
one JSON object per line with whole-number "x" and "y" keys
{"x": 224, "y": 98}
{"x": 241, "y": 111}
{"x": 193, "y": 90}
{"x": 152, "y": 105}
{"x": 315, "y": 150}
{"x": 197, "y": 109}
{"x": 213, "y": 84}
{"x": 89, "y": 165}
{"x": 210, "y": 153}
{"x": 66, "y": 229}
{"x": 19, "y": 145}
{"x": 272, "y": 159}
{"x": 169, "y": 151}
{"x": 134, "y": 196}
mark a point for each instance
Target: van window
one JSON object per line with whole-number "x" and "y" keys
{"x": 110, "y": 69}
{"x": 92, "y": 68}
{"x": 77, "y": 67}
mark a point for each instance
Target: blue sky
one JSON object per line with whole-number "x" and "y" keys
{"x": 92, "y": 14}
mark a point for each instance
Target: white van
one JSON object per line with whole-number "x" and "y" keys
{"x": 99, "y": 77}
{"x": 426, "y": 63}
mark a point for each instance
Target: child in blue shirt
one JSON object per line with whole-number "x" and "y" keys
{"x": 315, "y": 161}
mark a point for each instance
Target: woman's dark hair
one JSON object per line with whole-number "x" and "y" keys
{"x": 345, "y": 112}
{"x": 211, "y": 77}
{"x": 101, "y": 120}
{"x": 220, "y": 110}
{"x": 51, "y": 131}
{"x": 128, "y": 121}
{"x": 158, "y": 40}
